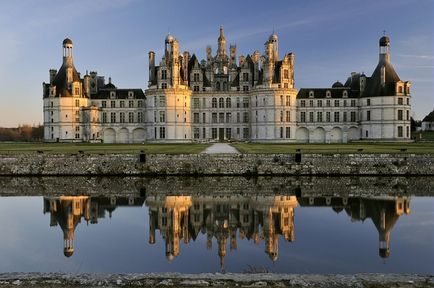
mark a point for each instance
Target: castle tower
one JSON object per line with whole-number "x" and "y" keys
{"x": 221, "y": 51}
{"x": 274, "y": 41}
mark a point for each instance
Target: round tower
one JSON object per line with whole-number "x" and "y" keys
{"x": 384, "y": 43}
{"x": 67, "y": 51}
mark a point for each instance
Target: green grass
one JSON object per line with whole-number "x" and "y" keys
{"x": 426, "y": 136}
{"x": 416, "y": 148}
{"x": 19, "y": 148}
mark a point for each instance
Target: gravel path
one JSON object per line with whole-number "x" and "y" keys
{"x": 221, "y": 148}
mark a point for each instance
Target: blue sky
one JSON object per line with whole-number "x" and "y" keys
{"x": 330, "y": 39}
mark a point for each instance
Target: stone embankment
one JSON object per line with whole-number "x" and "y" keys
{"x": 344, "y": 186}
{"x": 215, "y": 164}
{"x": 214, "y": 280}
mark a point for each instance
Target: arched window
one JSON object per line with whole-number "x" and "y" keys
{"x": 345, "y": 93}
{"x": 217, "y": 86}
{"x": 221, "y": 103}
{"x": 214, "y": 102}
{"x": 228, "y": 103}
{"x": 328, "y": 94}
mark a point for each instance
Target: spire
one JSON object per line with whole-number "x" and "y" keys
{"x": 221, "y": 43}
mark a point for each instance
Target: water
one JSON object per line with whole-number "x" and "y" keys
{"x": 227, "y": 232}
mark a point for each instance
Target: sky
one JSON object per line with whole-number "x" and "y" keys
{"x": 330, "y": 40}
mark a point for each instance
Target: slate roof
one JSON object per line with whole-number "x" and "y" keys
{"x": 374, "y": 87}
{"x": 429, "y": 117}
{"x": 120, "y": 94}
{"x": 61, "y": 84}
{"x": 303, "y": 93}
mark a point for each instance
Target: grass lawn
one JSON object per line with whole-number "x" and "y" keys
{"x": 424, "y": 136}
{"x": 416, "y": 148}
{"x": 15, "y": 148}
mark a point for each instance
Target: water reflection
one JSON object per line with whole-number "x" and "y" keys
{"x": 222, "y": 218}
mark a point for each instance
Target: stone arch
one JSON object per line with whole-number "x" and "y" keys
{"x": 123, "y": 135}
{"x": 353, "y": 134}
{"x": 138, "y": 135}
{"x": 336, "y": 135}
{"x": 302, "y": 135}
{"x": 109, "y": 135}
{"x": 317, "y": 136}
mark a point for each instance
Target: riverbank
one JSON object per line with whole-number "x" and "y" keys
{"x": 142, "y": 164}
{"x": 213, "y": 280}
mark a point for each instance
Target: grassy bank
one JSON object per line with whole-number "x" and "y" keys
{"x": 59, "y": 148}
{"x": 416, "y": 148}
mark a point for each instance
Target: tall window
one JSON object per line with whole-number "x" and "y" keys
{"x": 288, "y": 116}
{"x": 122, "y": 104}
{"x": 214, "y": 103}
{"x": 368, "y": 115}
{"x": 336, "y": 103}
{"x": 131, "y": 104}
{"x": 288, "y": 101}
{"x": 113, "y": 117}
{"x": 302, "y": 103}
{"x": 140, "y": 117}
{"x": 400, "y": 115}
{"x": 162, "y": 132}
{"x": 302, "y": 116}
{"x": 77, "y": 103}
{"x": 400, "y": 101}
{"x": 328, "y": 103}
{"x": 336, "y": 116}
{"x": 214, "y": 117}
{"x": 310, "y": 103}
{"x": 228, "y": 117}
{"x": 310, "y": 116}
{"x": 228, "y": 103}
{"x": 328, "y": 119}
{"x": 130, "y": 117}
{"x": 196, "y": 103}
{"x": 400, "y": 132}
{"x": 245, "y": 102}
{"x": 113, "y": 104}
{"x": 203, "y": 117}
{"x": 214, "y": 133}
{"x": 104, "y": 104}
{"x": 245, "y": 77}
{"x": 288, "y": 132}
{"x": 353, "y": 103}
{"x": 162, "y": 101}
{"x": 286, "y": 74}
{"x": 196, "y": 133}
{"x": 281, "y": 116}
{"x": 345, "y": 117}
{"x": 281, "y": 132}
{"x": 368, "y": 102}
{"x": 122, "y": 117}
{"x": 196, "y": 118}
{"x": 162, "y": 116}
{"x": 164, "y": 74}
{"x": 196, "y": 77}
{"x": 319, "y": 103}
{"x": 319, "y": 116}
{"x": 104, "y": 117}
{"x": 221, "y": 103}
{"x": 353, "y": 116}
{"x": 246, "y": 117}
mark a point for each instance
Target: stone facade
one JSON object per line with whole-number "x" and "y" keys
{"x": 225, "y": 97}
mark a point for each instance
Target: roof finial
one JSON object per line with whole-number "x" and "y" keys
{"x": 110, "y": 80}
{"x": 384, "y": 32}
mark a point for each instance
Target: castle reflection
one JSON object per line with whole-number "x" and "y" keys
{"x": 258, "y": 218}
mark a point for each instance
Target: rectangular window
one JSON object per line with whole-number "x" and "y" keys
{"x": 288, "y": 116}
{"x": 302, "y": 116}
{"x": 104, "y": 117}
{"x": 122, "y": 104}
{"x": 130, "y": 117}
{"x": 113, "y": 117}
{"x": 214, "y": 133}
{"x": 288, "y": 132}
{"x": 286, "y": 74}
{"x": 140, "y": 103}
{"x": 336, "y": 103}
{"x": 77, "y": 103}
{"x": 353, "y": 116}
{"x": 204, "y": 132}
{"x": 140, "y": 117}
{"x": 164, "y": 74}
{"x": 407, "y": 131}
{"x": 228, "y": 133}
{"x": 310, "y": 103}
{"x": 245, "y": 102}
{"x": 310, "y": 116}
{"x": 77, "y": 91}
{"x": 162, "y": 132}
{"x": 221, "y": 117}
{"x": 131, "y": 104}
{"x": 353, "y": 103}
{"x": 368, "y": 102}
{"x": 246, "y": 117}
{"x": 408, "y": 114}
{"x": 336, "y": 114}
{"x": 203, "y": 117}
{"x": 245, "y": 77}
{"x": 400, "y": 131}
{"x": 288, "y": 101}
{"x": 345, "y": 103}
{"x": 368, "y": 115}
{"x": 328, "y": 103}
{"x": 196, "y": 77}
{"x": 162, "y": 101}
{"x": 319, "y": 103}
{"x": 122, "y": 117}
{"x": 196, "y": 133}
{"x": 196, "y": 118}
{"x": 162, "y": 116}
{"x": 228, "y": 117}
{"x": 408, "y": 101}
{"x": 245, "y": 133}
{"x": 281, "y": 132}
{"x": 302, "y": 103}
{"x": 345, "y": 117}
{"x": 281, "y": 116}
{"x": 400, "y": 115}
{"x": 245, "y": 88}
{"x": 319, "y": 116}
{"x": 400, "y": 101}
{"x": 113, "y": 104}
{"x": 196, "y": 88}
{"x": 214, "y": 117}
{"x": 238, "y": 117}
{"x": 328, "y": 118}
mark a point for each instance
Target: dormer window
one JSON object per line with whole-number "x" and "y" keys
{"x": 112, "y": 94}
{"x": 311, "y": 94}
{"x": 328, "y": 94}
{"x": 345, "y": 94}
{"x": 130, "y": 94}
